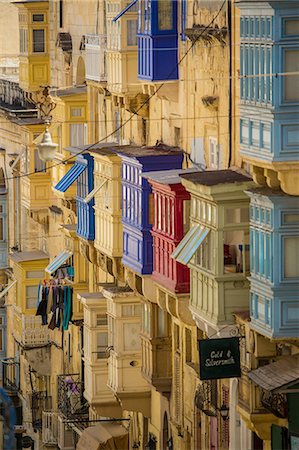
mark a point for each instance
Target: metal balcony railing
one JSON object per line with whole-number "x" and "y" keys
{"x": 70, "y": 395}
{"x": 29, "y": 330}
{"x": 10, "y": 374}
{"x": 11, "y": 94}
{"x": 95, "y": 47}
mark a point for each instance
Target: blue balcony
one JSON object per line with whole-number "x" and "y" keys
{"x": 85, "y": 211}
{"x": 137, "y": 209}
{"x": 82, "y": 173}
{"x": 274, "y": 248}
{"x": 269, "y": 105}
{"x": 158, "y": 40}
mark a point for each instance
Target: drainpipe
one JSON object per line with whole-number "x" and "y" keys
{"x": 230, "y": 125}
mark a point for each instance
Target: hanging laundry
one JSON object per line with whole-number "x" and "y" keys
{"x": 68, "y": 307}
{"x": 42, "y": 306}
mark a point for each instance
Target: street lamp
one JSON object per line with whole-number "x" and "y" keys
{"x": 47, "y": 148}
{"x": 224, "y": 410}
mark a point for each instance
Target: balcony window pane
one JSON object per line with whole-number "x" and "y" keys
{"x": 35, "y": 274}
{"x": 38, "y": 37}
{"x": 102, "y": 344}
{"x": 291, "y": 261}
{"x": 1, "y": 229}
{"x": 291, "y": 27}
{"x": 187, "y": 213}
{"x": 39, "y": 165}
{"x": 102, "y": 320}
{"x": 78, "y": 134}
{"x": 236, "y": 251}
{"x": 37, "y": 17}
{"x": 131, "y": 32}
{"x": 188, "y": 345}
{"x": 31, "y": 297}
{"x": 291, "y": 82}
{"x": 165, "y": 15}
{"x": 162, "y": 323}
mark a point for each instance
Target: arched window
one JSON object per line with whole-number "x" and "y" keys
{"x": 165, "y": 432}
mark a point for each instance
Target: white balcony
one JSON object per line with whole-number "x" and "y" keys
{"x": 49, "y": 428}
{"x": 95, "y": 47}
{"x": 29, "y": 331}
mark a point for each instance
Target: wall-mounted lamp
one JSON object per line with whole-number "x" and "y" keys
{"x": 224, "y": 410}
{"x": 47, "y": 148}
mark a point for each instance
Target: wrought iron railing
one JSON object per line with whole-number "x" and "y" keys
{"x": 10, "y": 374}
{"x": 276, "y": 403}
{"x": 70, "y": 395}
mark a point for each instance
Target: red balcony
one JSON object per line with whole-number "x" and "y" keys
{"x": 171, "y": 221}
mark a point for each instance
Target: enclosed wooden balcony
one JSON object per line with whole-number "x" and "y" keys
{"x": 156, "y": 362}
{"x": 124, "y": 363}
{"x": 96, "y": 391}
{"x": 95, "y": 49}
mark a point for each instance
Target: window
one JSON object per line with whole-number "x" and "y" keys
{"x": 165, "y": 15}
{"x": 291, "y": 82}
{"x": 176, "y": 336}
{"x": 31, "y": 297}
{"x": 35, "y": 274}
{"x": 131, "y": 32}
{"x": 188, "y": 345}
{"x": 38, "y": 41}
{"x": 291, "y": 261}
{"x": 291, "y": 26}
{"x": 205, "y": 253}
{"x": 78, "y": 134}
{"x": 76, "y": 112}
{"x": 236, "y": 215}
{"x": 38, "y": 17}
{"x": 1, "y": 229}
{"x": 102, "y": 344}
{"x": 236, "y": 251}
{"x": 39, "y": 165}
{"x": 214, "y": 153}
{"x": 102, "y": 320}
{"x": 186, "y": 212}
{"x": 177, "y": 136}
{"x": 23, "y": 40}
{"x": 146, "y": 318}
{"x": 130, "y": 310}
{"x": 162, "y": 329}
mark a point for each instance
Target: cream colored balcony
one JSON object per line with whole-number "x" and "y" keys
{"x": 97, "y": 393}
{"x": 49, "y": 428}
{"x": 124, "y": 363}
{"x": 121, "y": 49}
{"x": 28, "y": 330}
{"x": 95, "y": 48}
{"x": 156, "y": 362}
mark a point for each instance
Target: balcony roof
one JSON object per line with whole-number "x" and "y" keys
{"x": 103, "y": 148}
{"x": 75, "y": 90}
{"x": 28, "y": 256}
{"x": 278, "y": 375}
{"x": 167, "y": 176}
{"x": 215, "y": 177}
{"x": 135, "y": 151}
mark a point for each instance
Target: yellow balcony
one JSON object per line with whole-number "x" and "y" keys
{"x": 28, "y": 330}
{"x": 36, "y": 192}
{"x": 121, "y": 50}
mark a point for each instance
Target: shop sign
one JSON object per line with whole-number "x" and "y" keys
{"x": 219, "y": 358}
